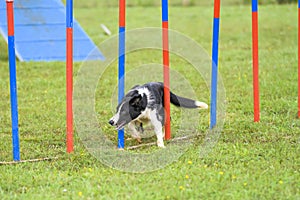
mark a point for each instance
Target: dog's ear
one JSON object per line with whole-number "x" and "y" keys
{"x": 136, "y": 100}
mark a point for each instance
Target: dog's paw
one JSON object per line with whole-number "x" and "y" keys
{"x": 160, "y": 144}
{"x": 139, "y": 140}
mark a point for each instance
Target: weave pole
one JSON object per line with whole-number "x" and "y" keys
{"x": 255, "y": 59}
{"x": 13, "y": 80}
{"x": 214, "y": 71}
{"x": 121, "y": 67}
{"x": 166, "y": 66}
{"x": 69, "y": 74}
{"x": 298, "y": 58}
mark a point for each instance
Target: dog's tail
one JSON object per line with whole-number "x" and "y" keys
{"x": 186, "y": 103}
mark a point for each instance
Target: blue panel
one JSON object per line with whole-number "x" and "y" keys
{"x": 36, "y": 16}
{"x": 37, "y": 4}
{"x": 56, "y": 50}
{"x": 214, "y": 74}
{"x": 51, "y": 33}
{"x": 40, "y": 32}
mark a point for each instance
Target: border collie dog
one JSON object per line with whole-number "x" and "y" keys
{"x": 144, "y": 104}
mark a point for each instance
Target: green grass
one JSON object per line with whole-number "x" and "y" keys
{"x": 250, "y": 160}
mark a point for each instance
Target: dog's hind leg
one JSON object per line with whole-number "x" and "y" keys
{"x": 134, "y": 133}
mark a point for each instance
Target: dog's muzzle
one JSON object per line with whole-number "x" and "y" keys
{"x": 116, "y": 124}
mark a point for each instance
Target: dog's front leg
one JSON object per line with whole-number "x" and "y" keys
{"x": 159, "y": 135}
{"x": 158, "y": 130}
{"x": 134, "y": 133}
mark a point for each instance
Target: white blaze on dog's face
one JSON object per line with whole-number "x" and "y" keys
{"x": 130, "y": 108}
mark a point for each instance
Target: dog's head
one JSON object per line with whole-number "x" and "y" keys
{"x": 130, "y": 108}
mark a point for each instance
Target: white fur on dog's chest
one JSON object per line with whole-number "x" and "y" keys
{"x": 145, "y": 116}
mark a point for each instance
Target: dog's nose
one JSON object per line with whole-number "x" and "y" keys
{"x": 111, "y": 122}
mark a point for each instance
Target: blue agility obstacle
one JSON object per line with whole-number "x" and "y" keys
{"x": 121, "y": 67}
{"x": 13, "y": 80}
{"x": 214, "y": 72}
{"x": 40, "y": 32}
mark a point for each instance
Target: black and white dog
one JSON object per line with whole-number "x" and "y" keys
{"x": 144, "y": 104}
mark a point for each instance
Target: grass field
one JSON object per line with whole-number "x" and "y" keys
{"x": 250, "y": 160}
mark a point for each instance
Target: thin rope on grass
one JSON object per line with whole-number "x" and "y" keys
{"x": 27, "y": 161}
{"x": 169, "y": 141}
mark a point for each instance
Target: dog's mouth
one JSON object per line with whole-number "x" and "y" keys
{"x": 120, "y": 126}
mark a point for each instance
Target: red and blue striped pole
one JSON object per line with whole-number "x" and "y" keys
{"x": 121, "y": 68}
{"x": 166, "y": 65}
{"x": 298, "y": 58}
{"x": 13, "y": 79}
{"x": 255, "y": 59}
{"x": 69, "y": 74}
{"x": 214, "y": 71}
